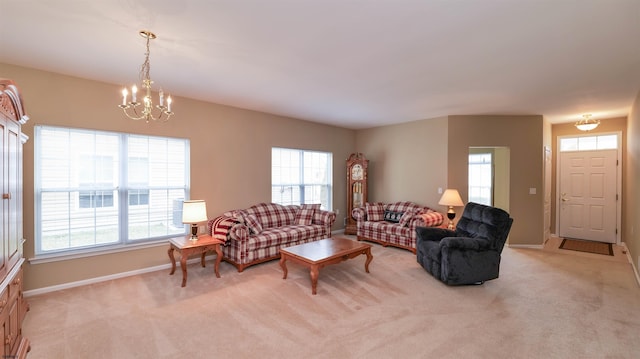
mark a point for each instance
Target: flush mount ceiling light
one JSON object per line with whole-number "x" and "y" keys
{"x": 144, "y": 111}
{"x": 587, "y": 123}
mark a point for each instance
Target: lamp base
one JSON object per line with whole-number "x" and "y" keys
{"x": 194, "y": 232}
{"x": 451, "y": 214}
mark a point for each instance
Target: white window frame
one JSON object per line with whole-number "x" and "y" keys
{"x": 174, "y": 192}
{"x": 476, "y": 184}
{"x": 297, "y": 178}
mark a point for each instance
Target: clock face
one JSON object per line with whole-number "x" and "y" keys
{"x": 356, "y": 172}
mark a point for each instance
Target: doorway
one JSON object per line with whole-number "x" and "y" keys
{"x": 589, "y": 187}
{"x": 489, "y": 179}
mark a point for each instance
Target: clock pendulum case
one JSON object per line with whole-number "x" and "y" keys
{"x": 356, "y": 187}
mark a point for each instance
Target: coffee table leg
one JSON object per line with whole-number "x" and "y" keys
{"x": 183, "y": 266}
{"x": 314, "y": 278}
{"x": 369, "y": 259}
{"x": 173, "y": 260}
{"x": 283, "y": 265}
{"x": 216, "y": 267}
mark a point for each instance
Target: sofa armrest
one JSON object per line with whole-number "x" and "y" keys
{"x": 359, "y": 214}
{"x": 466, "y": 243}
{"x": 325, "y": 218}
{"x": 433, "y": 233}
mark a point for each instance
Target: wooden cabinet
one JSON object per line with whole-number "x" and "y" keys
{"x": 13, "y": 306}
{"x": 357, "y": 168}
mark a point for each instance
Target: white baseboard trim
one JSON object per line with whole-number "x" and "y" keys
{"x": 54, "y": 288}
{"x": 528, "y": 246}
{"x": 633, "y": 265}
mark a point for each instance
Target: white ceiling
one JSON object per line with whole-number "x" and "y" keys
{"x": 355, "y": 64}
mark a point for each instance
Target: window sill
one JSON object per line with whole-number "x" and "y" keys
{"x": 47, "y": 258}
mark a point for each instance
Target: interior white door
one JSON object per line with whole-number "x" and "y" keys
{"x": 588, "y": 188}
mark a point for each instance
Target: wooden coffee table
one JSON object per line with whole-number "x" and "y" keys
{"x": 186, "y": 247}
{"x": 318, "y": 254}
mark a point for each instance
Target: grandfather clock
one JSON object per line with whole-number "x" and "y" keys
{"x": 356, "y": 187}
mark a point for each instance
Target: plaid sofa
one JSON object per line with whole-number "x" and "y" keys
{"x": 256, "y": 234}
{"x": 394, "y": 224}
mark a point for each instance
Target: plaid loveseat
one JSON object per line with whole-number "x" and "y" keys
{"x": 256, "y": 234}
{"x": 394, "y": 224}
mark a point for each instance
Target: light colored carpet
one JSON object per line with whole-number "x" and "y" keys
{"x": 544, "y": 305}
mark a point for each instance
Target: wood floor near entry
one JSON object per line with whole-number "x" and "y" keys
{"x": 319, "y": 254}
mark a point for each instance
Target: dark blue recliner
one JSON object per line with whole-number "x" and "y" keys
{"x": 471, "y": 253}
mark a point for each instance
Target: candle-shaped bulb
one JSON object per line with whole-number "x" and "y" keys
{"x": 134, "y": 90}
{"x": 169, "y": 100}
{"x": 161, "y": 98}
{"x": 124, "y": 96}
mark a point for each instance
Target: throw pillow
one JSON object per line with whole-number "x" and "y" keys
{"x": 314, "y": 207}
{"x": 252, "y": 222}
{"x": 406, "y": 218}
{"x": 375, "y": 212}
{"x": 391, "y": 216}
{"x": 304, "y": 216}
{"x": 221, "y": 226}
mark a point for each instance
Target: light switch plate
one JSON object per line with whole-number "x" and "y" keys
{"x": 532, "y": 190}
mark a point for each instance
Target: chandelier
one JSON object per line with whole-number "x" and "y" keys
{"x": 145, "y": 110}
{"x": 587, "y": 123}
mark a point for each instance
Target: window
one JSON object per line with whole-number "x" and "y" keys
{"x": 95, "y": 189}
{"x": 481, "y": 178}
{"x": 300, "y": 176}
{"x": 589, "y": 143}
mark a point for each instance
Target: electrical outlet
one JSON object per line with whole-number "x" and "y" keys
{"x": 201, "y": 229}
{"x": 345, "y": 223}
{"x": 337, "y": 211}
{"x": 439, "y": 190}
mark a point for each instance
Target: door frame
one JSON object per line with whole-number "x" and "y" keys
{"x": 618, "y": 180}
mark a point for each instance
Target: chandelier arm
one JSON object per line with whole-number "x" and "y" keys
{"x": 135, "y": 116}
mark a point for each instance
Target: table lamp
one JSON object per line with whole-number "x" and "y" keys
{"x": 451, "y": 198}
{"x": 194, "y": 212}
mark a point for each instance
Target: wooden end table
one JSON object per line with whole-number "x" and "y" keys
{"x": 186, "y": 247}
{"x": 319, "y": 254}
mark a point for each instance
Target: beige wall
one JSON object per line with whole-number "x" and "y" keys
{"x": 618, "y": 124}
{"x": 230, "y": 160}
{"x": 230, "y": 157}
{"x": 631, "y": 196}
{"x": 523, "y": 135}
{"x": 407, "y": 162}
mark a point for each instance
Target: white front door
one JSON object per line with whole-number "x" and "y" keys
{"x": 588, "y": 189}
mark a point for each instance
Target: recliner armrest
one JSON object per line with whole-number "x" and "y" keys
{"x": 477, "y": 243}
{"x": 433, "y": 233}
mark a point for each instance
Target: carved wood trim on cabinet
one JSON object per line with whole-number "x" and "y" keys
{"x": 13, "y": 306}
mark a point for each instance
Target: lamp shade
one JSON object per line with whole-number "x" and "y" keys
{"x": 194, "y": 211}
{"x": 451, "y": 197}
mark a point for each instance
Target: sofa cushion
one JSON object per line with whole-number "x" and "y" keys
{"x": 375, "y": 211}
{"x": 289, "y": 235}
{"x": 273, "y": 215}
{"x": 391, "y": 216}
